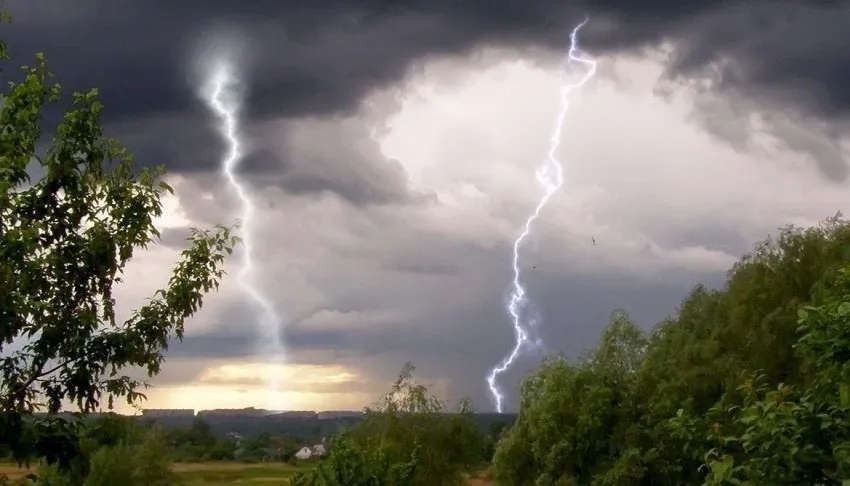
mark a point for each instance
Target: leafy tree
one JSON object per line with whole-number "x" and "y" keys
{"x": 734, "y": 388}
{"x": 699, "y": 357}
{"x": 65, "y": 240}
{"x": 574, "y": 415}
{"x": 111, "y": 429}
{"x": 352, "y": 464}
{"x": 408, "y": 438}
{"x": 200, "y": 434}
{"x": 143, "y": 464}
{"x": 794, "y": 436}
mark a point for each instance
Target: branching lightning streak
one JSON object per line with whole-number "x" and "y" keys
{"x": 222, "y": 99}
{"x": 550, "y": 175}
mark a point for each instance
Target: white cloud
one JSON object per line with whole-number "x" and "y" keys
{"x": 637, "y": 169}
{"x": 334, "y": 320}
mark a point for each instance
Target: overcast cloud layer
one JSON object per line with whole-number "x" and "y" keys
{"x": 394, "y": 145}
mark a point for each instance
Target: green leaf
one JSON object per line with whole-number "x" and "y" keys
{"x": 844, "y": 395}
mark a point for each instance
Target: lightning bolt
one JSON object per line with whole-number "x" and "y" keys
{"x": 223, "y": 99}
{"x": 550, "y": 175}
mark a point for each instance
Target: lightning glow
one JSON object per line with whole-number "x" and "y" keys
{"x": 223, "y": 99}
{"x": 550, "y": 175}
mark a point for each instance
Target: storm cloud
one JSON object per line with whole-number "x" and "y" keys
{"x": 391, "y": 154}
{"x": 322, "y": 57}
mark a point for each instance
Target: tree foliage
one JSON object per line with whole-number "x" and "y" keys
{"x": 65, "y": 240}
{"x": 410, "y": 438}
{"x": 571, "y": 413}
{"x": 746, "y": 384}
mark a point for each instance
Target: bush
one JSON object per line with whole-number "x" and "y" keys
{"x": 144, "y": 464}
{"x": 409, "y": 439}
{"x": 748, "y": 384}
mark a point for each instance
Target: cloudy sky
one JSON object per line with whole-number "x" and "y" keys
{"x": 393, "y": 150}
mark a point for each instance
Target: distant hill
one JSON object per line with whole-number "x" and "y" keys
{"x": 305, "y": 426}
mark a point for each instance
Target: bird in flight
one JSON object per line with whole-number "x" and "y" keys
{"x": 593, "y": 238}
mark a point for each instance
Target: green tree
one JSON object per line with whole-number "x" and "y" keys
{"x": 575, "y": 416}
{"x": 698, "y": 358}
{"x": 65, "y": 240}
{"x": 786, "y": 435}
{"x": 142, "y": 464}
{"x": 409, "y": 438}
{"x": 200, "y": 433}
{"x": 353, "y": 464}
{"x": 110, "y": 429}
{"x": 681, "y": 405}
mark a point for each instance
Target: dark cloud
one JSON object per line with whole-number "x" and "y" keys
{"x": 183, "y": 142}
{"x": 239, "y": 342}
{"x": 573, "y": 311}
{"x": 321, "y": 57}
{"x": 767, "y": 50}
{"x": 313, "y": 387}
{"x": 340, "y": 158}
{"x": 316, "y": 60}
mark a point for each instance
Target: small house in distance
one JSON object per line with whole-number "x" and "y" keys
{"x": 304, "y": 453}
{"x": 308, "y": 452}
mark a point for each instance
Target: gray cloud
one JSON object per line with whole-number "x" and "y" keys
{"x": 322, "y": 57}
{"x": 424, "y": 268}
{"x": 373, "y": 272}
{"x": 461, "y": 344}
{"x": 175, "y": 237}
{"x": 338, "y": 157}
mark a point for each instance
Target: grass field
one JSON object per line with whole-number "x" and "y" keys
{"x": 228, "y": 473}
{"x": 220, "y": 473}
{"x": 212, "y": 473}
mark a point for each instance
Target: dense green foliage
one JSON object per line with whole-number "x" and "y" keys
{"x": 747, "y": 384}
{"x": 197, "y": 443}
{"x": 111, "y": 450}
{"x": 409, "y": 439}
{"x": 65, "y": 240}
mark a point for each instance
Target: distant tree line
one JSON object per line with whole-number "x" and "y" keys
{"x": 307, "y": 430}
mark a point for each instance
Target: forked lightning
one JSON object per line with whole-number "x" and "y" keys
{"x": 550, "y": 175}
{"x": 223, "y": 99}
